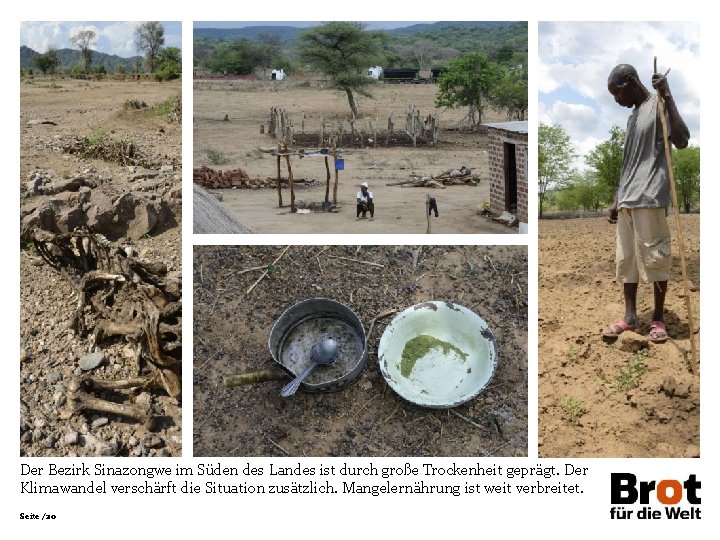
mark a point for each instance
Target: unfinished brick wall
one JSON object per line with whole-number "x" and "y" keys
{"x": 496, "y": 165}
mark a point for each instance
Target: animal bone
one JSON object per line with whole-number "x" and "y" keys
{"x": 79, "y": 401}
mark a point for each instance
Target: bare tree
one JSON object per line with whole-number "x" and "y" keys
{"x": 83, "y": 40}
{"x": 149, "y": 38}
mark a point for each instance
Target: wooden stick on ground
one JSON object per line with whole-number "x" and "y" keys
{"x": 265, "y": 273}
{"x": 673, "y": 192}
{"x": 355, "y": 261}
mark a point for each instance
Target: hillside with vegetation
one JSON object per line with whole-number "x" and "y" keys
{"x": 244, "y": 50}
{"x": 69, "y": 58}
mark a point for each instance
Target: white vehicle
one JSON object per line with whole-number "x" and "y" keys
{"x": 277, "y": 75}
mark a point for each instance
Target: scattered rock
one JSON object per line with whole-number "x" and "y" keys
{"x": 91, "y": 361}
{"x": 50, "y": 442}
{"x": 632, "y": 342}
{"x": 144, "y": 173}
{"x": 99, "y": 422}
{"x": 38, "y": 122}
{"x": 151, "y": 441}
{"x": 107, "y": 449}
{"x": 72, "y": 437}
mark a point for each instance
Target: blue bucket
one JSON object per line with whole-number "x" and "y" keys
{"x": 339, "y": 164}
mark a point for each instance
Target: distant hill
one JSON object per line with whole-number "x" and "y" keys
{"x": 439, "y": 26}
{"x": 288, "y": 34}
{"x": 71, "y": 57}
{"x": 439, "y": 42}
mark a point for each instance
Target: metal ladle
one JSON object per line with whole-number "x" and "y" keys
{"x": 324, "y": 352}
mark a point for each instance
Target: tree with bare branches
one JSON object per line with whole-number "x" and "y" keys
{"x": 83, "y": 40}
{"x": 150, "y": 38}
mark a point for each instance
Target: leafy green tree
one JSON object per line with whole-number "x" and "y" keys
{"x": 510, "y": 93}
{"x": 47, "y": 62}
{"x": 468, "y": 82}
{"x": 84, "y": 40}
{"x": 607, "y": 159}
{"x": 234, "y": 58}
{"x": 582, "y": 192}
{"x": 555, "y": 155}
{"x": 150, "y": 38}
{"x": 169, "y": 65}
{"x": 686, "y": 167}
{"x": 343, "y": 51}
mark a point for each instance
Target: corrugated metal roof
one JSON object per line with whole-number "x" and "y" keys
{"x": 516, "y": 126}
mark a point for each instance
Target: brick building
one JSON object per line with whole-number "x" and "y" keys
{"x": 508, "y": 169}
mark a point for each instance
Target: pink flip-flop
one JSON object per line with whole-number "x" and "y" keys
{"x": 658, "y": 332}
{"x": 614, "y": 330}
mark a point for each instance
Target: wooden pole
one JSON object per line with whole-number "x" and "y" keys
{"x": 673, "y": 192}
{"x": 290, "y": 180}
{"x": 335, "y": 186}
{"x": 427, "y": 212}
{"x": 327, "y": 183}
{"x": 279, "y": 180}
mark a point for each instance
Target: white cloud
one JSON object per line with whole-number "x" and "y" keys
{"x": 578, "y": 120}
{"x": 112, "y": 37}
{"x": 118, "y": 38}
{"x": 579, "y": 56}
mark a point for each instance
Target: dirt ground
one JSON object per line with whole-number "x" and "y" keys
{"x": 49, "y": 348}
{"x": 630, "y": 398}
{"x": 236, "y": 143}
{"x": 231, "y": 330}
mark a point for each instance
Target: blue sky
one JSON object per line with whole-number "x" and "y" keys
{"x": 575, "y": 59}
{"x": 112, "y": 37}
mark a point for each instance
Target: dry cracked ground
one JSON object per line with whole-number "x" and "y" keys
{"x": 105, "y": 156}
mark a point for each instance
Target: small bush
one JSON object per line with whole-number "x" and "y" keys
{"x": 216, "y": 157}
{"x": 573, "y": 408}
{"x": 170, "y": 109}
{"x": 134, "y": 104}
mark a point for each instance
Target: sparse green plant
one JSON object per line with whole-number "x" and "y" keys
{"x": 572, "y": 353}
{"x": 573, "y": 408}
{"x": 216, "y": 157}
{"x": 628, "y": 377}
{"x": 472, "y": 268}
{"x": 170, "y": 109}
{"x": 96, "y": 137}
{"x": 485, "y": 208}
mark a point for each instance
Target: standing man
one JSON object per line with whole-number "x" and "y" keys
{"x": 365, "y": 202}
{"x": 643, "y": 196}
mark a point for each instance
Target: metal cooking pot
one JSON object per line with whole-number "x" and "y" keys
{"x": 293, "y": 336}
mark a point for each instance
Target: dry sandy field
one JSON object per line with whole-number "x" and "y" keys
{"x": 237, "y": 143}
{"x": 630, "y": 398}
{"x": 54, "y": 115}
{"x": 367, "y": 418}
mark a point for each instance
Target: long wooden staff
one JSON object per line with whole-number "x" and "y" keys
{"x": 673, "y": 192}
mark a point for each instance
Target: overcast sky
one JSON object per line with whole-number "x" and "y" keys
{"x": 575, "y": 60}
{"x": 112, "y": 37}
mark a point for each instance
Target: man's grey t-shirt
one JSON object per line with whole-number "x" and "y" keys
{"x": 644, "y": 177}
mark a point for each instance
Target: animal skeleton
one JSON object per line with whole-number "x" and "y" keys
{"x": 119, "y": 295}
